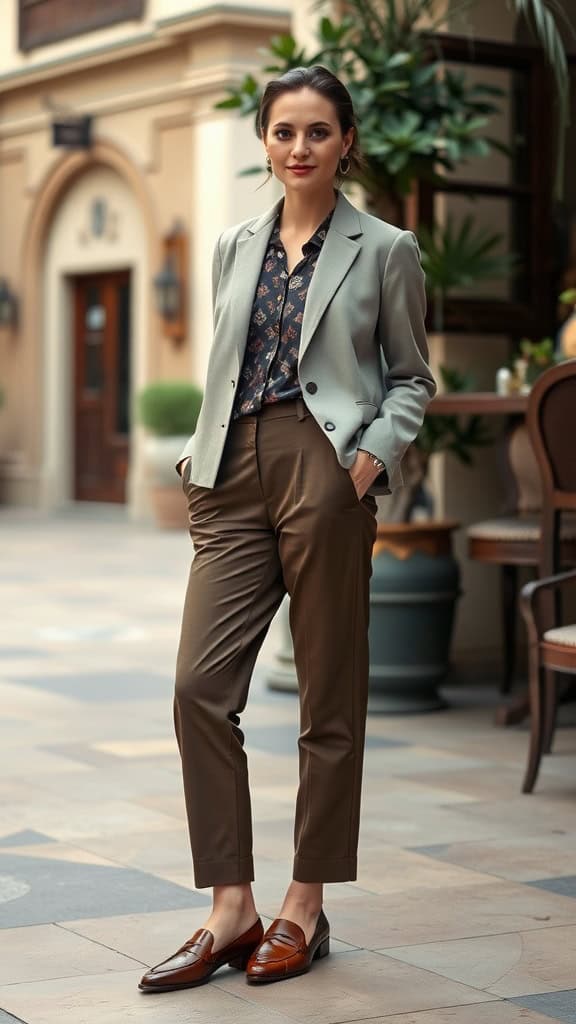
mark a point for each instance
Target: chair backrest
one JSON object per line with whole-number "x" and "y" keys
{"x": 522, "y": 473}
{"x": 551, "y": 420}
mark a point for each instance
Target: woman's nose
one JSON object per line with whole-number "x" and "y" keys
{"x": 300, "y": 146}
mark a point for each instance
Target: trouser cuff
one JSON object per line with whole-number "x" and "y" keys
{"x": 223, "y": 872}
{"x": 341, "y": 870}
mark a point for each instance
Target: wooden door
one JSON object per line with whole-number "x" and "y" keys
{"x": 102, "y": 385}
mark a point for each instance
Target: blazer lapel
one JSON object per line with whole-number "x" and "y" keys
{"x": 250, "y": 251}
{"x": 337, "y": 255}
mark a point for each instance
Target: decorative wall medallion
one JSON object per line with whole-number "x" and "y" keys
{"x": 101, "y": 222}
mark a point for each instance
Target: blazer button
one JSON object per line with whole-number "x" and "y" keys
{"x": 329, "y": 426}
{"x": 312, "y": 388}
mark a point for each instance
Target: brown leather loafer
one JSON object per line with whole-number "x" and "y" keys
{"x": 283, "y": 952}
{"x": 194, "y": 962}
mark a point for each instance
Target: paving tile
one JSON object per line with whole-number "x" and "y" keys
{"x": 102, "y": 686}
{"x": 493, "y": 782}
{"x": 284, "y": 739}
{"x": 27, "y": 837}
{"x": 48, "y": 951}
{"x": 564, "y": 886}
{"x": 518, "y": 858}
{"x": 554, "y": 1005}
{"x": 432, "y": 915}
{"x": 537, "y": 814}
{"x": 506, "y": 965}
{"x": 114, "y": 997}
{"x": 53, "y": 890}
{"x": 383, "y": 868}
{"x": 7, "y": 1018}
{"x": 486, "y": 1013}
{"x": 355, "y": 986}
{"x": 140, "y": 748}
{"x": 21, "y": 652}
{"x": 66, "y": 818}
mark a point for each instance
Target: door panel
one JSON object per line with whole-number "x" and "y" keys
{"x": 102, "y": 385}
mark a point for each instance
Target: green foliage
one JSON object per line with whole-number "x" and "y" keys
{"x": 455, "y": 255}
{"x": 540, "y": 353}
{"x": 415, "y": 116}
{"x": 539, "y": 356}
{"x": 455, "y": 434}
{"x": 169, "y": 407}
{"x": 543, "y": 16}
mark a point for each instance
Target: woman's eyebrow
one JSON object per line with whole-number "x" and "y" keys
{"x": 314, "y": 124}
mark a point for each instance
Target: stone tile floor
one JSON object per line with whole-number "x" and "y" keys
{"x": 464, "y": 910}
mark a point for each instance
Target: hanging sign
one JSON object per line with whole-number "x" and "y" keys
{"x": 72, "y": 132}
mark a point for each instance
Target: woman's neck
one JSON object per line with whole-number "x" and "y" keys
{"x": 301, "y": 214}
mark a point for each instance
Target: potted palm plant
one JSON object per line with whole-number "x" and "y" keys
{"x": 169, "y": 410}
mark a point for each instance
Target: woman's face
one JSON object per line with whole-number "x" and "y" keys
{"x": 304, "y": 131}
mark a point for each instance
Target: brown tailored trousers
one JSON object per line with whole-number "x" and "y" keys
{"x": 283, "y": 515}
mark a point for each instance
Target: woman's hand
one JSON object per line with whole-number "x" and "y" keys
{"x": 363, "y": 473}
{"x": 182, "y": 465}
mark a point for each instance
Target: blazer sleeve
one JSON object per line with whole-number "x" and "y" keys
{"x": 401, "y": 332}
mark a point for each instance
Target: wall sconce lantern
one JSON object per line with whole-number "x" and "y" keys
{"x": 170, "y": 284}
{"x": 8, "y": 305}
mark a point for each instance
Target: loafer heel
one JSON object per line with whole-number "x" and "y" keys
{"x": 240, "y": 963}
{"x": 323, "y": 949}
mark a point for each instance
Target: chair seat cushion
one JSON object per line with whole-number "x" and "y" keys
{"x": 511, "y": 528}
{"x": 564, "y": 635}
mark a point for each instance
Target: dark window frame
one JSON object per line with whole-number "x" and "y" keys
{"x": 41, "y": 22}
{"x": 487, "y": 315}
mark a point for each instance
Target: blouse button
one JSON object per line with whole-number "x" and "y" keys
{"x": 329, "y": 426}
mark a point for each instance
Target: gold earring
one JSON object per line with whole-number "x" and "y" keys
{"x": 268, "y": 164}
{"x": 348, "y": 164}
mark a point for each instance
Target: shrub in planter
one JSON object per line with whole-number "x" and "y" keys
{"x": 169, "y": 410}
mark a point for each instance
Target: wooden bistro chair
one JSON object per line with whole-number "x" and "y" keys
{"x": 552, "y": 646}
{"x": 512, "y": 539}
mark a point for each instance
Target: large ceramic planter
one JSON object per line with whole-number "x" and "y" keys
{"x": 166, "y": 495}
{"x": 413, "y": 592}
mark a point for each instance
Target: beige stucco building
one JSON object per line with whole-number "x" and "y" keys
{"x": 83, "y": 229}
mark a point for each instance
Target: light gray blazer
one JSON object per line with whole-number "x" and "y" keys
{"x": 363, "y": 342}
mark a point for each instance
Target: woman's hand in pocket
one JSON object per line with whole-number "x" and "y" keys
{"x": 363, "y": 473}
{"x": 182, "y": 465}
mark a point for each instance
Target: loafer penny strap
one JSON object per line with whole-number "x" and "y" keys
{"x": 286, "y": 933}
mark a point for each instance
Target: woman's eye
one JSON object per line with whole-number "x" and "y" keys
{"x": 283, "y": 133}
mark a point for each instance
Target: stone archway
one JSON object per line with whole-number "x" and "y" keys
{"x": 54, "y": 191}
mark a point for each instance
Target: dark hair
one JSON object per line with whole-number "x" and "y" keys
{"x": 329, "y": 86}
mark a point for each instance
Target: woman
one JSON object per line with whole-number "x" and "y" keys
{"x": 317, "y": 383}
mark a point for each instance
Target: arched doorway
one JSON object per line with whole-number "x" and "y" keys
{"x": 91, "y": 244}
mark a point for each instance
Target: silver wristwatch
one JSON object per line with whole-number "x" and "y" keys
{"x": 373, "y": 458}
